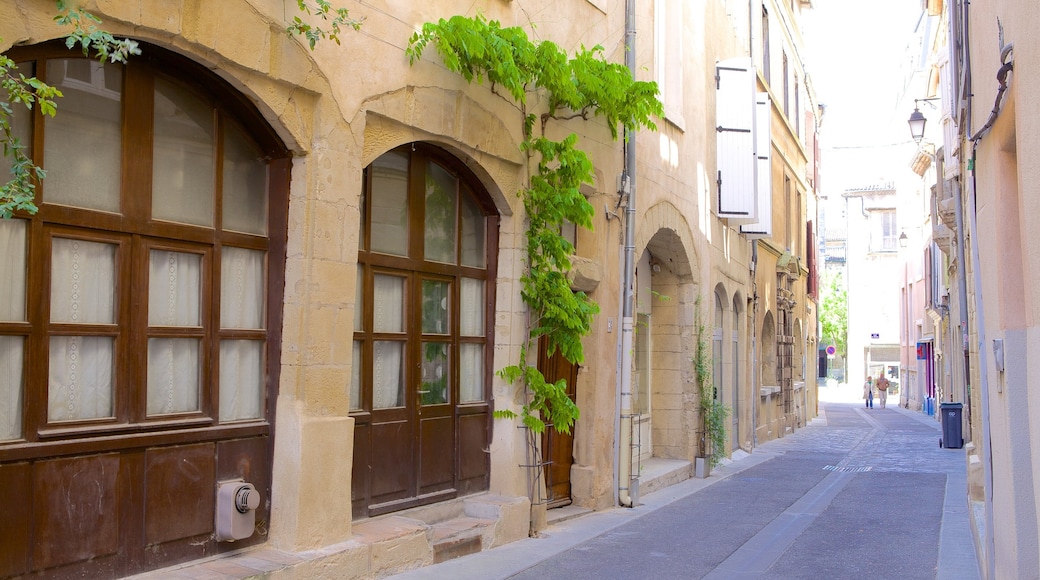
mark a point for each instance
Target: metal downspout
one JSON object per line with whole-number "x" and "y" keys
{"x": 987, "y": 439}
{"x": 625, "y": 475}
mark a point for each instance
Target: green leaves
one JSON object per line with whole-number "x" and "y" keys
{"x": 834, "y": 313}
{"x": 86, "y": 34}
{"x": 336, "y": 17}
{"x": 713, "y": 413}
{"x": 548, "y": 403}
{"x": 19, "y": 192}
{"x": 579, "y": 86}
{"x": 586, "y": 83}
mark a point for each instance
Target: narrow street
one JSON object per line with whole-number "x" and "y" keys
{"x": 860, "y": 493}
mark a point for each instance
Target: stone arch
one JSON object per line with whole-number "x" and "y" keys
{"x": 453, "y": 121}
{"x": 768, "y": 350}
{"x": 275, "y": 71}
{"x": 666, "y": 246}
{"x": 681, "y": 256}
{"x": 799, "y": 351}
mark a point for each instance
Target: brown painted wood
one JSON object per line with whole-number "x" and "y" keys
{"x": 112, "y": 497}
{"x": 436, "y": 454}
{"x": 15, "y": 518}
{"x": 413, "y": 454}
{"x": 75, "y": 510}
{"x": 179, "y": 498}
{"x": 557, "y": 447}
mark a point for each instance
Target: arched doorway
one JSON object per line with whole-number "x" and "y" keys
{"x": 666, "y": 304}
{"x": 423, "y": 328}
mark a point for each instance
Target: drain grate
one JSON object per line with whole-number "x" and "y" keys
{"x": 847, "y": 469}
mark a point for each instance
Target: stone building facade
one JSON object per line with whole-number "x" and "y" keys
{"x": 235, "y": 299}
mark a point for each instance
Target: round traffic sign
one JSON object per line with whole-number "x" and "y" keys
{"x": 831, "y": 349}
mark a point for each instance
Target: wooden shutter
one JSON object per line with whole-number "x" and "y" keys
{"x": 735, "y": 151}
{"x": 763, "y": 227}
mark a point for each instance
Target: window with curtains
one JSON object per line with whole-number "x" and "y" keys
{"x": 139, "y": 297}
{"x": 445, "y": 240}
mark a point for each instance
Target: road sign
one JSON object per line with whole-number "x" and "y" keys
{"x": 831, "y": 350}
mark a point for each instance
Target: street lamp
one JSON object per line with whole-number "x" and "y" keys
{"x": 903, "y": 240}
{"x": 917, "y": 120}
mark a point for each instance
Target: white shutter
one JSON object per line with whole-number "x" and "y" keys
{"x": 734, "y": 126}
{"x": 951, "y": 143}
{"x": 763, "y": 228}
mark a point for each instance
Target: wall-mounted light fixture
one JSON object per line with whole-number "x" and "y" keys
{"x": 917, "y": 120}
{"x": 903, "y": 240}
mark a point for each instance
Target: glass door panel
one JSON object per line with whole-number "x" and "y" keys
{"x": 435, "y": 385}
{"x": 442, "y": 192}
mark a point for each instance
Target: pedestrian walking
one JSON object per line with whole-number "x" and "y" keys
{"x": 868, "y": 392}
{"x": 882, "y": 388}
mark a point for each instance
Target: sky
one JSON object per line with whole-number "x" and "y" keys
{"x": 856, "y": 59}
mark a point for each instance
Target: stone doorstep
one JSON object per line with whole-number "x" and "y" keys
{"x": 460, "y": 537}
{"x": 391, "y": 544}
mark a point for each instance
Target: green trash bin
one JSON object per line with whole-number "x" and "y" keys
{"x": 951, "y": 425}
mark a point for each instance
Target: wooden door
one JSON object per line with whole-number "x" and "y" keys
{"x": 422, "y": 345}
{"x": 557, "y": 448}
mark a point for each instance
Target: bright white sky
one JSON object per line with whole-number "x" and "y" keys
{"x": 856, "y": 60}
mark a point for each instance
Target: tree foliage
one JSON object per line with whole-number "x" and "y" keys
{"x": 584, "y": 85}
{"x": 713, "y": 413}
{"x": 19, "y": 192}
{"x": 336, "y": 17}
{"x": 834, "y": 313}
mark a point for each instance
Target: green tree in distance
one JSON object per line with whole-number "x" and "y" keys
{"x": 834, "y": 313}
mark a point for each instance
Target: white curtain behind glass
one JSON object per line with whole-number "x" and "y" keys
{"x": 241, "y": 379}
{"x": 86, "y": 139}
{"x": 11, "y": 357}
{"x": 387, "y": 361}
{"x": 471, "y": 369}
{"x": 241, "y": 288}
{"x": 241, "y": 361}
{"x": 174, "y": 292}
{"x": 82, "y": 292}
{"x": 472, "y": 307}
{"x": 12, "y": 308}
{"x": 12, "y": 270}
{"x": 173, "y": 375}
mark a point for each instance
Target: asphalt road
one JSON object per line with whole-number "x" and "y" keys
{"x": 859, "y": 493}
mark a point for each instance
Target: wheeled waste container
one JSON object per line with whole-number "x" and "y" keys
{"x": 951, "y": 425}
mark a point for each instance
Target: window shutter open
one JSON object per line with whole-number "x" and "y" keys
{"x": 763, "y": 228}
{"x": 735, "y": 151}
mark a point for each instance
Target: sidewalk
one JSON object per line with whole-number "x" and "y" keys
{"x": 887, "y": 450}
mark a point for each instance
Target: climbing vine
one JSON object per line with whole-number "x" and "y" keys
{"x": 713, "y": 414}
{"x": 585, "y": 86}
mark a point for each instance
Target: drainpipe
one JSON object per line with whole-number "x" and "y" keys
{"x": 627, "y": 481}
{"x": 962, "y": 285}
{"x": 755, "y": 389}
{"x": 987, "y": 450}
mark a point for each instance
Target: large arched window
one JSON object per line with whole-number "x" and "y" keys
{"x": 422, "y": 328}
{"x": 141, "y": 305}
{"x": 147, "y": 263}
